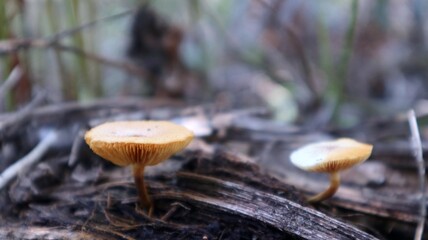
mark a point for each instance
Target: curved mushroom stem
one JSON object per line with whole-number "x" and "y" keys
{"x": 141, "y": 189}
{"x": 334, "y": 185}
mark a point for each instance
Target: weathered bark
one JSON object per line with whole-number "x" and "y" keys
{"x": 395, "y": 197}
{"x": 218, "y": 190}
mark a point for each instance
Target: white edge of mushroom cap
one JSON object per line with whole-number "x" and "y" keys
{"x": 312, "y": 156}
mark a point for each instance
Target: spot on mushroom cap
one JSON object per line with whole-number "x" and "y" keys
{"x": 137, "y": 142}
{"x": 331, "y": 156}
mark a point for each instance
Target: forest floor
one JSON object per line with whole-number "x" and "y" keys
{"x": 234, "y": 181}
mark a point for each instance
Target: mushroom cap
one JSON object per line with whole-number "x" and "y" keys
{"x": 331, "y": 156}
{"x": 137, "y": 142}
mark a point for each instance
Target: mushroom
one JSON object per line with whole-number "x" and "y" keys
{"x": 330, "y": 157}
{"x": 139, "y": 144}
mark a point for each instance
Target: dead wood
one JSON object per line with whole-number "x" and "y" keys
{"x": 204, "y": 192}
{"x": 217, "y": 201}
{"x": 385, "y": 187}
{"x": 34, "y": 232}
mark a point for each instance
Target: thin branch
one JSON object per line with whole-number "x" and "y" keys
{"x": 14, "y": 121}
{"x": 75, "y": 148}
{"x": 111, "y": 232}
{"x": 12, "y": 45}
{"x": 35, "y": 232}
{"x": 28, "y": 160}
{"x": 10, "y": 82}
{"x": 68, "y": 32}
{"x": 128, "y": 67}
{"x": 417, "y": 145}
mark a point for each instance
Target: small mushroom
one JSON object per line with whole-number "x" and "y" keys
{"x": 330, "y": 157}
{"x": 139, "y": 144}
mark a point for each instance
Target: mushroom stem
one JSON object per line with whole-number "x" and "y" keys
{"x": 330, "y": 191}
{"x": 141, "y": 188}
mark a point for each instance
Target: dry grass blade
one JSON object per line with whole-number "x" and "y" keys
{"x": 417, "y": 145}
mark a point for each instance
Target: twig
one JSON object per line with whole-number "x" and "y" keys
{"x": 121, "y": 223}
{"x": 36, "y": 232}
{"x": 128, "y": 67}
{"x": 112, "y": 232}
{"x": 9, "y": 46}
{"x": 10, "y": 82}
{"x": 14, "y": 121}
{"x": 417, "y": 145}
{"x": 173, "y": 209}
{"x": 75, "y": 148}
{"x": 28, "y": 160}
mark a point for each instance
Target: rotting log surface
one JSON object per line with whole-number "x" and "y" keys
{"x": 217, "y": 196}
{"x": 389, "y": 191}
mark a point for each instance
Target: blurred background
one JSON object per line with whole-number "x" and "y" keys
{"x": 323, "y": 69}
{"x": 318, "y": 63}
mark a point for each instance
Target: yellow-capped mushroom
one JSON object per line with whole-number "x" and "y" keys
{"x": 139, "y": 144}
{"x": 330, "y": 157}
